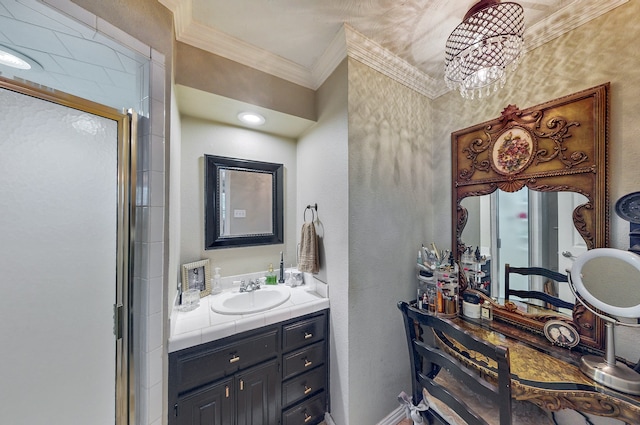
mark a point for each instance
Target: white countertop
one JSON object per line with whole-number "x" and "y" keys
{"x": 204, "y": 325}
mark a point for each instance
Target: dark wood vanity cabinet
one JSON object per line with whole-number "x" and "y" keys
{"x": 304, "y": 372}
{"x": 277, "y": 374}
{"x": 211, "y": 405}
{"x": 257, "y": 394}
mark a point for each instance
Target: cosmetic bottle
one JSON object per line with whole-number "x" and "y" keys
{"x": 216, "y": 288}
{"x": 486, "y": 311}
{"x": 271, "y": 276}
{"x": 426, "y": 292}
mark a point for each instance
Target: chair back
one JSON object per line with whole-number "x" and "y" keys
{"x": 427, "y": 360}
{"x": 543, "y": 296}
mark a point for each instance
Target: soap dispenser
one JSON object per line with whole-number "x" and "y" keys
{"x": 217, "y": 284}
{"x": 271, "y": 276}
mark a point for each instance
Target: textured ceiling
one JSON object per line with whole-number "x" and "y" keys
{"x": 303, "y": 40}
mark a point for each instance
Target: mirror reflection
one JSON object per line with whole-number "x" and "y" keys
{"x": 525, "y": 229}
{"x": 246, "y": 204}
{"x": 620, "y": 270}
{"x": 243, "y": 202}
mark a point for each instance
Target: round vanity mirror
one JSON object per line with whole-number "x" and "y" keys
{"x": 609, "y": 279}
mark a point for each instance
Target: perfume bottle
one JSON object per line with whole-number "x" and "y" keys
{"x": 486, "y": 311}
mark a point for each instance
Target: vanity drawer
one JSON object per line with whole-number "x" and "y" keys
{"x": 304, "y": 385}
{"x": 310, "y": 412}
{"x": 302, "y": 333}
{"x": 203, "y": 366}
{"x": 302, "y": 360}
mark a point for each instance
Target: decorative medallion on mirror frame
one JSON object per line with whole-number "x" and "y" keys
{"x": 558, "y": 146}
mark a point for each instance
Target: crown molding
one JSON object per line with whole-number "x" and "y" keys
{"x": 349, "y": 42}
{"x": 330, "y": 58}
{"x": 211, "y": 40}
{"x": 224, "y": 45}
{"x": 182, "y": 13}
{"x": 382, "y": 60}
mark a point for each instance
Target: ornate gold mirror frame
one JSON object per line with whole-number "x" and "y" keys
{"x": 557, "y": 146}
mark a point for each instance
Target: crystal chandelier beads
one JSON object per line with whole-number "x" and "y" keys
{"x": 484, "y": 48}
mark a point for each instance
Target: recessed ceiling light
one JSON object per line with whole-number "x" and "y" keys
{"x": 251, "y": 118}
{"x": 14, "y": 59}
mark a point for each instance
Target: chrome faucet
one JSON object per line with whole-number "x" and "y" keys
{"x": 250, "y": 287}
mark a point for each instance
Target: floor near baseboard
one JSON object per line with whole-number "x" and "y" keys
{"x": 402, "y": 422}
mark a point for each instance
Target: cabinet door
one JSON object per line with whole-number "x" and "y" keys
{"x": 258, "y": 395}
{"x": 212, "y": 405}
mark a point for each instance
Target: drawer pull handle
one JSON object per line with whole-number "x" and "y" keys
{"x": 241, "y": 385}
{"x": 307, "y": 418}
{"x": 307, "y": 363}
{"x": 226, "y": 391}
{"x": 234, "y": 359}
{"x": 307, "y": 390}
{"x": 308, "y": 335}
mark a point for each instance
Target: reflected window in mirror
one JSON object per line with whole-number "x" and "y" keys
{"x": 525, "y": 229}
{"x": 243, "y": 202}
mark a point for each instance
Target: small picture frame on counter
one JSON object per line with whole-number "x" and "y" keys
{"x": 561, "y": 334}
{"x": 197, "y": 275}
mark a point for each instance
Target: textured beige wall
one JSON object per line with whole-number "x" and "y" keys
{"x": 201, "y": 70}
{"x": 390, "y": 215}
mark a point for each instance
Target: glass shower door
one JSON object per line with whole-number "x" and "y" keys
{"x": 59, "y": 209}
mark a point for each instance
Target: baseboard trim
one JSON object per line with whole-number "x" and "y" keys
{"x": 394, "y": 417}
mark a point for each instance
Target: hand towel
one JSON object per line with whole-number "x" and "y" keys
{"x": 309, "y": 260}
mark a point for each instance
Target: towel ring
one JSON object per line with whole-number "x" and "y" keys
{"x": 313, "y": 216}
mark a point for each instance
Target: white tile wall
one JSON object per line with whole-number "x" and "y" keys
{"x": 150, "y": 199}
{"x": 151, "y": 360}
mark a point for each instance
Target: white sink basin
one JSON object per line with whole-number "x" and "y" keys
{"x": 265, "y": 298}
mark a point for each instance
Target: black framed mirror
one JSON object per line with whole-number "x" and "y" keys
{"x": 243, "y": 203}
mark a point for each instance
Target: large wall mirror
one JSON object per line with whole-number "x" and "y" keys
{"x": 530, "y": 190}
{"x": 243, "y": 202}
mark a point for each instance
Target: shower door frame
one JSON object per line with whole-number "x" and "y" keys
{"x": 123, "y": 318}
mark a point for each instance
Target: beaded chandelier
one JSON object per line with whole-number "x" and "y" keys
{"x": 484, "y": 48}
